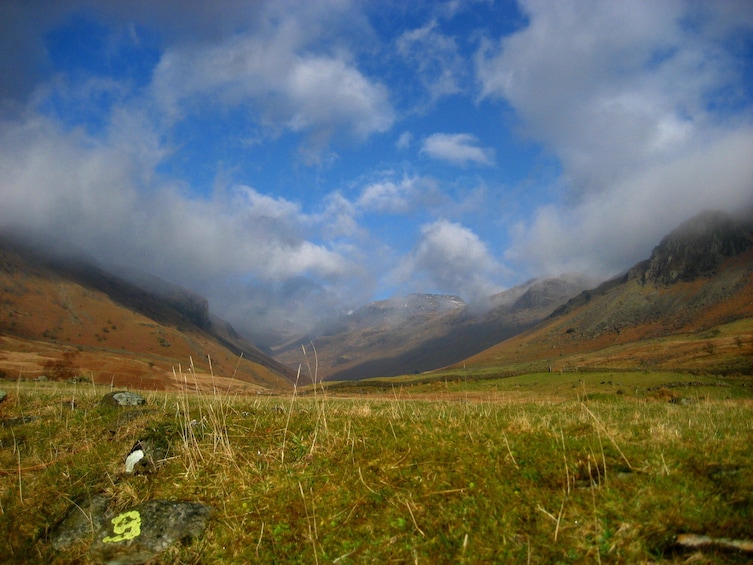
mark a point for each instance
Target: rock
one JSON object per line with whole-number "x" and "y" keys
{"x": 3, "y": 395}
{"x": 82, "y": 522}
{"x": 695, "y": 249}
{"x": 17, "y": 421}
{"x": 695, "y": 541}
{"x": 682, "y": 401}
{"x": 122, "y": 398}
{"x": 720, "y": 472}
{"x": 143, "y": 532}
{"x": 136, "y": 459}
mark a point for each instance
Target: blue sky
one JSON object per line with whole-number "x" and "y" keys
{"x": 290, "y": 158}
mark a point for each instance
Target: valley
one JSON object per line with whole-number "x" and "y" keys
{"x": 563, "y": 422}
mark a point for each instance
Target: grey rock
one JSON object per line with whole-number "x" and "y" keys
{"x": 20, "y": 421}
{"x": 122, "y": 398}
{"x": 82, "y": 522}
{"x": 143, "y": 532}
{"x": 3, "y": 395}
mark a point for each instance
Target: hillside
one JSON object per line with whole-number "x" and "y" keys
{"x": 422, "y": 332}
{"x": 61, "y": 316}
{"x": 688, "y": 306}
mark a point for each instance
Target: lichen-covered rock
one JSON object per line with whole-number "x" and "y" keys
{"x": 82, "y": 522}
{"x": 143, "y": 532}
{"x": 121, "y": 398}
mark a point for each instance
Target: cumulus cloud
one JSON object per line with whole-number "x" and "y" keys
{"x": 636, "y": 101}
{"x": 451, "y": 258}
{"x": 459, "y": 149}
{"x": 314, "y": 94}
{"x": 339, "y": 217}
{"x": 279, "y": 71}
{"x": 90, "y": 192}
{"x": 103, "y": 197}
{"x": 268, "y": 57}
{"x": 388, "y": 196}
{"x": 611, "y": 230}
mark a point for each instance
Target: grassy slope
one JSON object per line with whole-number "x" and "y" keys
{"x": 696, "y": 333}
{"x": 48, "y": 315}
{"x": 540, "y": 468}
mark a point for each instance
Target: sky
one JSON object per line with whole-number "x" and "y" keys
{"x": 288, "y": 159}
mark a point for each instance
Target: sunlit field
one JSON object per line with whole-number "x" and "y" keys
{"x": 544, "y": 468}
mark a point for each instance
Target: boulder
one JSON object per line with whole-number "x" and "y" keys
{"x": 82, "y": 522}
{"x": 143, "y": 532}
{"x": 122, "y": 398}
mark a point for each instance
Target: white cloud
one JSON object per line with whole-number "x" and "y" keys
{"x": 316, "y": 94}
{"x": 100, "y": 196}
{"x": 435, "y": 59}
{"x": 451, "y": 258}
{"x": 634, "y": 100}
{"x": 339, "y": 217}
{"x": 405, "y": 140}
{"x": 389, "y": 197}
{"x": 614, "y": 229}
{"x": 595, "y": 82}
{"x": 458, "y": 149}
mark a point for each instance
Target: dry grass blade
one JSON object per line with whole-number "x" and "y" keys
{"x": 606, "y": 432}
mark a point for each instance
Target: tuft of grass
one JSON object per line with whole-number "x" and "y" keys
{"x": 534, "y": 469}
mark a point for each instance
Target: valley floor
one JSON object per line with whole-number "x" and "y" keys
{"x": 544, "y": 468}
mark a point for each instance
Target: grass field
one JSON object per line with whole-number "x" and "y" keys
{"x": 543, "y": 468}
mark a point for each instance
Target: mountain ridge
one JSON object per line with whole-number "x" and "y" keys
{"x": 418, "y": 333}
{"x": 65, "y": 300}
{"x": 692, "y": 296}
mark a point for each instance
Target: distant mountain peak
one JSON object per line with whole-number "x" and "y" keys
{"x": 398, "y": 309}
{"x": 695, "y": 249}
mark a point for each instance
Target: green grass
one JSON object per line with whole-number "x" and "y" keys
{"x": 541, "y": 468}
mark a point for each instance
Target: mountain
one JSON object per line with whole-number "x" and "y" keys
{"x": 420, "y": 332}
{"x": 62, "y": 312}
{"x": 688, "y": 306}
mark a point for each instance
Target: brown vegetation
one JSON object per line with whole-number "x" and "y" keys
{"x": 61, "y": 325}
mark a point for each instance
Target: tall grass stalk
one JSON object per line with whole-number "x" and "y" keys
{"x": 290, "y": 411}
{"x": 601, "y": 426}
{"x": 191, "y": 446}
{"x": 319, "y": 398}
{"x": 310, "y": 519}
